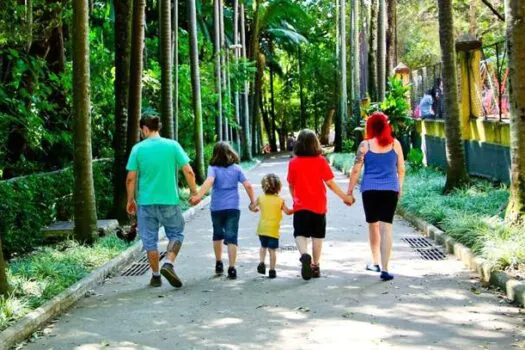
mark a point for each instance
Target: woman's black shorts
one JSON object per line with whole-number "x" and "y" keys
{"x": 309, "y": 224}
{"x": 380, "y": 206}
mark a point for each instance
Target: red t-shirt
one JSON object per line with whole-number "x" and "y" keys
{"x": 308, "y": 175}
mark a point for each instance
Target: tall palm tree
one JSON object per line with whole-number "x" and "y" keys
{"x": 514, "y": 19}
{"x": 166, "y": 95}
{"x": 356, "y": 66}
{"x": 84, "y": 190}
{"x": 4, "y": 286}
{"x": 196, "y": 89}
{"x": 391, "y": 37}
{"x": 175, "y": 50}
{"x": 302, "y": 102}
{"x": 372, "y": 52}
{"x": 237, "y": 138}
{"x": 342, "y": 105}
{"x": 122, "y": 64}
{"x": 381, "y": 51}
{"x": 225, "y": 74}
{"x": 218, "y": 69}
{"x": 247, "y": 144}
{"x": 136, "y": 67}
{"x": 456, "y": 171}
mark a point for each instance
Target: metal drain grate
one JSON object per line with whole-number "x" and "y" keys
{"x": 431, "y": 254}
{"x": 425, "y": 248}
{"x": 289, "y": 248}
{"x": 417, "y": 242}
{"x": 140, "y": 267}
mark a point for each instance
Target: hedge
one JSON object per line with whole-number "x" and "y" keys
{"x": 31, "y": 202}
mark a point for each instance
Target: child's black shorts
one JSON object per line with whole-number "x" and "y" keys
{"x": 309, "y": 224}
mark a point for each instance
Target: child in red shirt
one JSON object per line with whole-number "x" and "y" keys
{"x": 308, "y": 172}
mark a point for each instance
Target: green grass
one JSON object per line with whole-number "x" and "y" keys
{"x": 472, "y": 215}
{"x": 43, "y": 274}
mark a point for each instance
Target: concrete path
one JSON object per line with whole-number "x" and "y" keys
{"x": 430, "y": 304}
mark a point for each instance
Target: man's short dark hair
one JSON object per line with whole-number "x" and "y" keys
{"x": 307, "y": 144}
{"x": 151, "y": 121}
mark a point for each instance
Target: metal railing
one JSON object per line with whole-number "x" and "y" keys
{"x": 493, "y": 93}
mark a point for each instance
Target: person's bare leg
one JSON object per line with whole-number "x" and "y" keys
{"x": 386, "y": 245}
{"x": 153, "y": 258}
{"x": 217, "y": 249}
{"x": 232, "y": 254}
{"x": 302, "y": 244}
{"x": 262, "y": 254}
{"x": 374, "y": 235}
{"x": 317, "y": 246}
{"x": 167, "y": 269}
{"x": 273, "y": 258}
{"x": 173, "y": 251}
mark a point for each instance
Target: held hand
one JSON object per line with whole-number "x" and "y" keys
{"x": 194, "y": 200}
{"x": 131, "y": 207}
{"x": 349, "y": 200}
{"x": 253, "y": 207}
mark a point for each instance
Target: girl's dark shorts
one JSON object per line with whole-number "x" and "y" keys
{"x": 309, "y": 224}
{"x": 226, "y": 225}
{"x": 380, "y": 206}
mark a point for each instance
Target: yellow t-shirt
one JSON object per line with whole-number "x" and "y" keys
{"x": 271, "y": 215}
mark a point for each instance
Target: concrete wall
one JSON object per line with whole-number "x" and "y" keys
{"x": 486, "y": 146}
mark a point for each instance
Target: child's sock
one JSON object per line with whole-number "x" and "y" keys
{"x": 156, "y": 274}
{"x": 373, "y": 267}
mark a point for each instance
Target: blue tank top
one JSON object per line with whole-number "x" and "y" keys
{"x": 380, "y": 171}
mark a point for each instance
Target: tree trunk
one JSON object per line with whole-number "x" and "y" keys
{"x": 84, "y": 190}
{"x": 166, "y": 96}
{"x": 4, "y": 286}
{"x": 196, "y": 88}
{"x": 372, "y": 52}
{"x": 356, "y": 66}
{"x": 515, "y": 20}
{"x": 218, "y": 70}
{"x": 273, "y": 142}
{"x": 381, "y": 51}
{"x": 391, "y": 38}
{"x": 224, "y": 74}
{"x": 135, "y": 78}
{"x": 343, "y": 97}
{"x": 122, "y": 72}
{"x": 258, "y": 75}
{"x": 456, "y": 172}
{"x": 325, "y": 129}
{"x": 175, "y": 50}
{"x": 237, "y": 131}
{"x": 247, "y": 145}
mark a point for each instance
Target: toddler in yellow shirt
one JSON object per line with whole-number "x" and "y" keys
{"x": 271, "y": 206}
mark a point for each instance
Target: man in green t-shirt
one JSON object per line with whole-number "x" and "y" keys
{"x": 155, "y": 163}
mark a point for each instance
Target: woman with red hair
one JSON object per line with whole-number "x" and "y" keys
{"x": 381, "y": 187}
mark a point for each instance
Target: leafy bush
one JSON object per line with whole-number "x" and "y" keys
{"x": 32, "y": 202}
{"x": 45, "y": 273}
{"x": 348, "y": 145}
{"x": 415, "y": 159}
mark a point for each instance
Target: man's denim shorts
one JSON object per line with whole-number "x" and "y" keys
{"x": 151, "y": 217}
{"x": 226, "y": 225}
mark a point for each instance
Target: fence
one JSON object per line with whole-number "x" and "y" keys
{"x": 487, "y": 85}
{"x": 493, "y": 94}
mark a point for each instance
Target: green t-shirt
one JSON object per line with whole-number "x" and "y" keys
{"x": 156, "y": 161}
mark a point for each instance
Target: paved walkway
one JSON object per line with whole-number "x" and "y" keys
{"x": 430, "y": 305}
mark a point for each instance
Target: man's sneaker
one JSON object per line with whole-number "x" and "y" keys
{"x": 169, "y": 273}
{"x": 155, "y": 281}
{"x": 373, "y": 267}
{"x": 316, "y": 271}
{"x": 272, "y": 274}
{"x": 385, "y": 276}
{"x": 232, "y": 273}
{"x": 306, "y": 268}
{"x": 219, "y": 268}
{"x": 261, "y": 268}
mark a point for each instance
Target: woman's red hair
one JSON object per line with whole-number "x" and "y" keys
{"x": 377, "y": 126}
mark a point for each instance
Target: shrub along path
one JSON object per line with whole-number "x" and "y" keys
{"x": 431, "y": 304}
